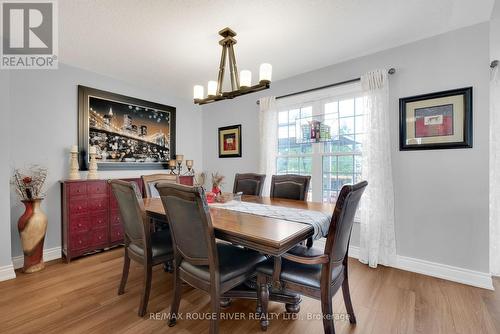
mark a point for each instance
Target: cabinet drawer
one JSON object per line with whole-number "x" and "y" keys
{"x": 98, "y": 220}
{"x": 116, "y": 219}
{"x": 78, "y": 206}
{"x": 97, "y": 188}
{"x": 79, "y": 241}
{"x": 99, "y": 237}
{"x": 77, "y": 188}
{"x": 98, "y": 203}
{"x": 78, "y": 223}
{"x": 116, "y": 234}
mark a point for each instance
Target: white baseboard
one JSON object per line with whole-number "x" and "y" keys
{"x": 7, "y": 272}
{"x": 48, "y": 255}
{"x": 451, "y": 273}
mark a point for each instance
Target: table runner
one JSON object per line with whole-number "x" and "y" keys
{"x": 318, "y": 220}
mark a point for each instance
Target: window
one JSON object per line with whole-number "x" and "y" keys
{"x": 331, "y": 163}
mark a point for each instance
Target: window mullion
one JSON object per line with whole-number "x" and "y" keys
{"x": 317, "y": 163}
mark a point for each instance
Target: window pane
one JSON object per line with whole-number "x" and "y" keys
{"x": 347, "y": 125}
{"x": 283, "y": 132}
{"x": 305, "y": 167}
{"x": 306, "y": 112}
{"x": 283, "y": 117}
{"x": 281, "y": 165}
{"x": 360, "y": 105}
{"x": 333, "y": 122}
{"x": 346, "y": 108}
{"x": 359, "y": 124}
{"x": 330, "y": 164}
{"x": 332, "y": 108}
{"x": 346, "y": 164}
{"x": 283, "y": 146}
{"x": 293, "y": 115}
{"x": 293, "y": 166}
{"x": 359, "y": 139}
{"x": 357, "y": 164}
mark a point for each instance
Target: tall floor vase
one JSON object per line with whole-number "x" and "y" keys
{"x": 32, "y": 227}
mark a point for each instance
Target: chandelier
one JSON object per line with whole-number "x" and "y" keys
{"x": 241, "y": 83}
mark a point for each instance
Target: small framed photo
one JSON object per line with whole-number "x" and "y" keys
{"x": 230, "y": 141}
{"x": 436, "y": 121}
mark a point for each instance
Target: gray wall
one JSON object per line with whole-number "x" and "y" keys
{"x": 5, "y": 252}
{"x": 495, "y": 32}
{"x": 44, "y": 116}
{"x": 441, "y": 196}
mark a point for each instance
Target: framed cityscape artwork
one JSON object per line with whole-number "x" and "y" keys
{"x": 436, "y": 121}
{"x": 230, "y": 141}
{"x": 127, "y": 133}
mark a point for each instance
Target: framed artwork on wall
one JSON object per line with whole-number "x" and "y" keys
{"x": 436, "y": 121}
{"x": 230, "y": 141}
{"x": 128, "y": 133}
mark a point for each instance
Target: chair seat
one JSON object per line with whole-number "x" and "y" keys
{"x": 304, "y": 274}
{"x": 161, "y": 245}
{"x": 233, "y": 262}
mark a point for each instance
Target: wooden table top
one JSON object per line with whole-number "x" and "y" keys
{"x": 270, "y": 235}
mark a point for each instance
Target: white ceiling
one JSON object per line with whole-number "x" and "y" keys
{"x": 173, "y": 44}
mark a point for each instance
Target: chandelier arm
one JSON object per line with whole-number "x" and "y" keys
{"x": 222, "y": 65}
{"x": 231, "y": 68}
{"x": 235, "y": 67}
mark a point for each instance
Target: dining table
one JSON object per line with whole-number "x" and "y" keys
{"x": 268, "y": 235}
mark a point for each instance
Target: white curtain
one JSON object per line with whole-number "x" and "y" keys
{"x": 495, "y": 172}
{"x": 377, "y": 236}
{"x": 268, "y": 119}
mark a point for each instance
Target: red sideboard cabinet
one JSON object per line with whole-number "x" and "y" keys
{"x": 90, "y": 216}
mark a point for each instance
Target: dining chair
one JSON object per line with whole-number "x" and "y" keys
{"x": 290, "y": 186}
{"x": 141, "y": 245}
{"x": 249, "y": 183}
{"x": 198, "y": 259}
{"x": 150, "y": 182}
{"x": 314, "y": 272}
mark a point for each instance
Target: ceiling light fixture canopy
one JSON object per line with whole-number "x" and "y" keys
{"x": 241, "y": 83}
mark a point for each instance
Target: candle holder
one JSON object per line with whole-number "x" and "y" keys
{"x": 73, "y": 165}
{"x": 189, "y": 166}
{"x": 171, "y": 166}
{"x": 93, "y": 166}
{"x": 179, "y": 167}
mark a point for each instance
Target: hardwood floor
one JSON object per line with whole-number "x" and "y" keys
{"x": 81, "y": 297}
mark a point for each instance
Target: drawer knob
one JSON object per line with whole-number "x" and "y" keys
{"x": 79, "y": 208}
{"x": 79, "y": 225}
{"x": 80, "y": 242}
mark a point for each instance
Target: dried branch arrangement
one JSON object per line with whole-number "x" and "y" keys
{"x": 29, "y": 182}
{"x": 217, "y": 180}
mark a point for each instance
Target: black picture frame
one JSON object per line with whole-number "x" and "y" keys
{"x": 84, "y": 93}
{"x": 466, "y": 93}
{"x": 237, "y": 130}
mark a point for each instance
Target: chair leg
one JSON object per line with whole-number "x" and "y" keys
{"x": 215, "y": 302}
{"x": 263, "y": 301}
{"x": 148, "y": 273}
{"x": 347, "y": 300}
{"x": 126, "y": 268}
{"x": 327, "y": 310}
{"x": 176, "y": 300}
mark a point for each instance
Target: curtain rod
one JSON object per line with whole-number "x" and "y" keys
{"x": 494, "y": 64}
{"x": 392, "y": 70}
